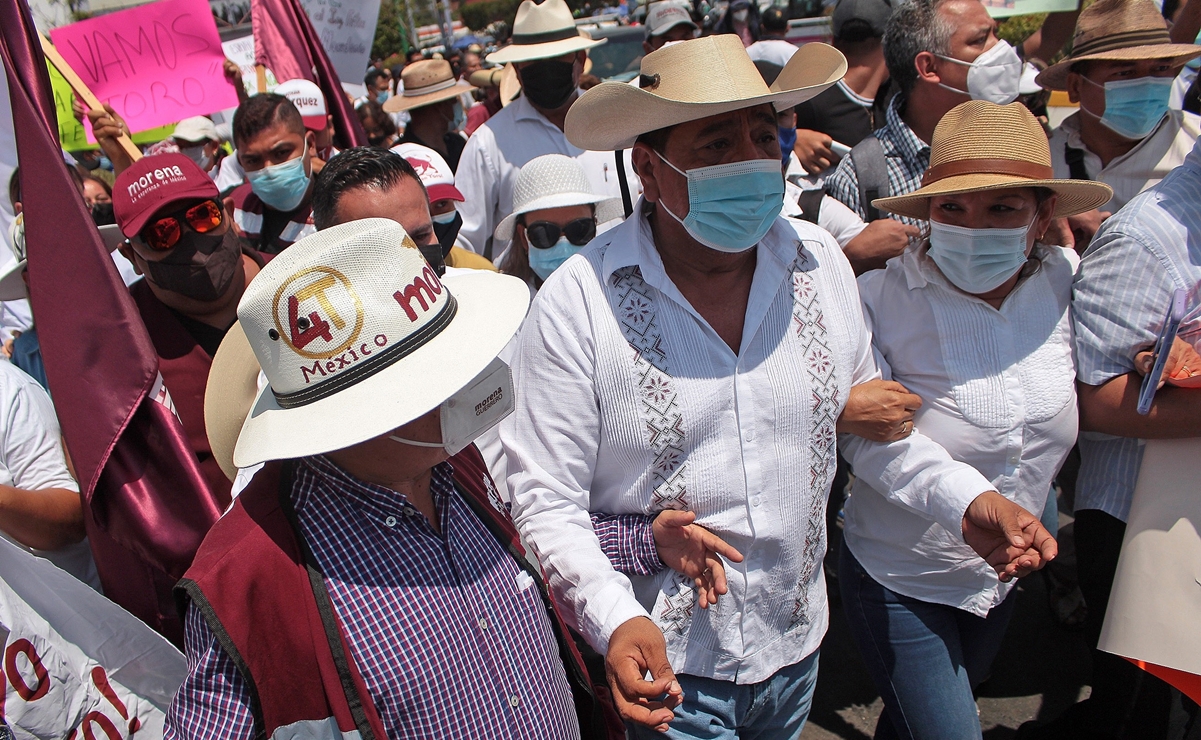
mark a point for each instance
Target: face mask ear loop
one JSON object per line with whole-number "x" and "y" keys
{"x": 414, "y": 442}
{"x": 683, "y": 174}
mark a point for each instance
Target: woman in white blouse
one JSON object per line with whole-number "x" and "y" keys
{"x": 975, "y": 322}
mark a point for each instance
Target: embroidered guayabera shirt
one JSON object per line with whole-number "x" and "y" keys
{"x": 628, "y": 402}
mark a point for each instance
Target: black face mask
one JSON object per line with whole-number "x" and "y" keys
{"x": 446, "y": 233}
{"x": 549, "y": 83}
{"x": 433, "y": 255}
{"x": 102, "y": 214}
{"x": 200, "y": 267}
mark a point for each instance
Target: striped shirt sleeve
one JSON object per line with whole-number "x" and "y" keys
{"x": 628, "y": 540}
{"x": 214, "y": 700}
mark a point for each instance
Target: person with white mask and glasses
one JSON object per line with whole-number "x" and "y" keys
{"x": 976, "y": 322}
{"x": 698, "y": 358}
{"x": 1120, "y": 71}
{"x": 939, "y": 53}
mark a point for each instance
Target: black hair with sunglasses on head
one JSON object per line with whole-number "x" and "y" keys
{"x": 199, "y": 264}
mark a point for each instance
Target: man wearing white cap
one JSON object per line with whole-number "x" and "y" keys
{"x": 368, "y": 581}
{"x": 698, "y": 358}
{"x": 548, "y": 53}
{"x": 198, "y": 140}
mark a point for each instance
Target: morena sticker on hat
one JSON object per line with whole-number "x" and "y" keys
{"x": 320, "y": 316}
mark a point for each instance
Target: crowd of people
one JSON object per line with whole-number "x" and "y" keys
{"x": 556, "y": 394}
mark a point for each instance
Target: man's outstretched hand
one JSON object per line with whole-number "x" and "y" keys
{"x": 694, "y": 551}
{"x": 636, "y": 648}
{"x": 1009, "y": 538}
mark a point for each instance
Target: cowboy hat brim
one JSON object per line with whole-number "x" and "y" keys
{"x": 228, "y": 396}
{"x": 1055, "y": 77}
{"x": 491, "y": 307}
{"x": 613, "y": 115}
{"x": 397, "y": 103}
{"x": 1075, "y": 196}
{"x": 548, "y": 50}
{"x": 607, "y": 209}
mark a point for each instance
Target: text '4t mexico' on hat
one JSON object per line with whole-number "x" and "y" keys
{"x": 542, "y": 31}
{"x": 357, "y": 336}
{"x": 693, "y": 80}
{"x": 152, "y": 183}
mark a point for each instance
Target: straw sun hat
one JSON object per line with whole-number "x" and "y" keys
{"x": 543, "y": 31}
{"x": 555, "y": 181}
{"x": 1121, "y": 30}
{"x": 692, "y": 80}
{"x": 984, "y": 146}
{"x": 357, "y": 336}
{"x": 426, "y": 82}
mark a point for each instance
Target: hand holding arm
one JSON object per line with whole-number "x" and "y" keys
{"x": 880, "y": 241}
{"x": 637, "y": 647}
{"x": 879, "y": 410}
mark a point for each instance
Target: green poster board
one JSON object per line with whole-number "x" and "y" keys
{"x": 1006, "y": 8}
{"x": 71, "y": 133}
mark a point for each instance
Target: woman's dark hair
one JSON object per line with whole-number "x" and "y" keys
{"x": 517, "y": 258}
{"x": 372, "y": 111}
{"x": 360, "y": 167}
{"x": 108, "y": 189}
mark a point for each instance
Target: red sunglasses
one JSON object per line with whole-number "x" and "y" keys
{"x": 164, "y": 233}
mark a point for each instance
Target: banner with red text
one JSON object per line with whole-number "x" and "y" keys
{"x": 75, "y": 664}
{"x": 154, "y": 64}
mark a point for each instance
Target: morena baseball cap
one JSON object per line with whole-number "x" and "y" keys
{"x": 666, "y": 15}
{"x": 152, "y": 183}
{"x": 309, "y": 100}
{"x": 875, "y": 13}
{"x": 435, "y": 173}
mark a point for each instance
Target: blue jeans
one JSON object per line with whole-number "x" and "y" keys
{"x": 925, "y": 659}
{"x": 774, "y": 709}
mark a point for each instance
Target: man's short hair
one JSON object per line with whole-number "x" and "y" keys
{"x": 774, "y": 20}
{"x": 263, "y": 111}
{"x": 915, "y": 26}
{"x": 373, "y": 74}
{"x": 359, "y": 167}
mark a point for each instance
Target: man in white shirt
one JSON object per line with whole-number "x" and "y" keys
{"x": 40, "y": 507}
{"x": 1120, "y": 72}
{"x": 771, "y": 46}
{"x": 697, "y": 358}
{"x": 548, "y": 54}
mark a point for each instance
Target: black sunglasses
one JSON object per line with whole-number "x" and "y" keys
{"x": 544, "y": 234}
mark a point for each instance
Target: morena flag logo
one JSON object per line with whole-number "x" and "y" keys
{"x": 318, "y": 313}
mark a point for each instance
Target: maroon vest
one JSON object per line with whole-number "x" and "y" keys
{"x": 254, "y": 582}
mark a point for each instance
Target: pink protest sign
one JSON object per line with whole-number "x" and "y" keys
{"x": 154, "y": 64}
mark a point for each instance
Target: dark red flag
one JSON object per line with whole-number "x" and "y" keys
{"x": 286, "y": 44}
{"x": 147, "y": 503}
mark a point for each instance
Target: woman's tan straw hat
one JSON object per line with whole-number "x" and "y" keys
{"x": 1121, "y": 30}
{"x": 426, "y": 82}
{"x": 984, "y": 146}
{"x": 543, "y": 31}
{"x": 692, "y": 80}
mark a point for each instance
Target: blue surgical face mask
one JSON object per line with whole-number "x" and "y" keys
{"x": 977, "y": 260}
{"x": 445, "y": 218}
{"x": 1133, "y": 108}
{"x": 382, "y": 95}
{"x": 282, "y": 186}
{"x": 787, "y": 142}
{"x": 460, "y": 120}
{"x": 731, "y": 206}
{"x": 545, "y": 261}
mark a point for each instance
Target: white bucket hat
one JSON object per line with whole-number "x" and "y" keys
{"x": 555, "y": 181}
{"x": 357, "y": 336}
{"x": 693, "y": 80}
{"x": 543, "y": 31}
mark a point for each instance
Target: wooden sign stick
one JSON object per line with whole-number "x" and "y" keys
{"x": 84, "y": 93}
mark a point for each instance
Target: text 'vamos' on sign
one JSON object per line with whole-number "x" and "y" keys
{"x": 155, "y": 64}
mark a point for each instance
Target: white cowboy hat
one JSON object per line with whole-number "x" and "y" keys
{"x": 357, "y": 336}
{"x": 543, "y": 31}
{"x": 425, "y": 83}
{"x": 692, "y": 80}
{"x": 12, "y": 285}
{"x": 555, "y": 181}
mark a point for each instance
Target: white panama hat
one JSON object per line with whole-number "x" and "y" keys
{"x": 543, "y": 31}
{"x": 357, "y": 336}
{"x": 693, "y": 80}
{"x": 555, "y": 181}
